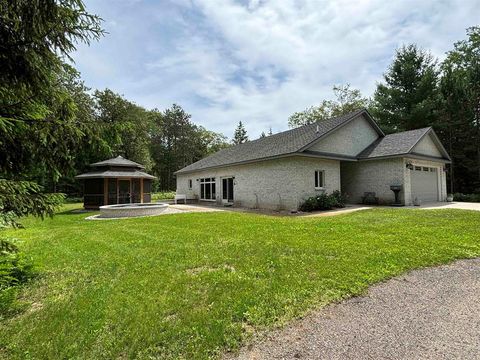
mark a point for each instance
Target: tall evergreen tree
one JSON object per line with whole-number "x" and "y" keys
{"x": 35, "y": 38}
{"x": 240, "y": 135}
{"x": 459, "y": 127}
{"x": 38, "y": 129}
{"x": 176, "y": 142}
{"x": 408, "y": 99}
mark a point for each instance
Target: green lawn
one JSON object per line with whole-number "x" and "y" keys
{"x": 194, "y": 285}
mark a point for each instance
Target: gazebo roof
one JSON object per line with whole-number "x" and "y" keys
{"x": 109, "y": 169}
{"x": 118, "y": 161}
{"x": 115, "y": 174}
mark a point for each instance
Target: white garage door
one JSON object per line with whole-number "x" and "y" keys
{"x": 424, "y": 183}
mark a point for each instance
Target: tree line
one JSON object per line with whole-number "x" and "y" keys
{"x": 419, "y": 91}
{"x": 52, "y": 125}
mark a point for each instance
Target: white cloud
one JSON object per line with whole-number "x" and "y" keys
{"x": 259, "y": 61}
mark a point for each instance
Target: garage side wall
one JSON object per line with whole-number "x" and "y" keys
{"x": 373, "y": 176}
{"x": 273, "y": 184}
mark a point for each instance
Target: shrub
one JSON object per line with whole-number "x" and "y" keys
{"x": 309, "y": 204}
{"x": 73, "y": 199}
{"x": 466, "y": 197}
{"x": 15, "y": 270}
{"x": 165, "y": 195}
{"x": 323, "y": 202}
{"x": 340, "y": 199}
{"x": 19, "y": 199}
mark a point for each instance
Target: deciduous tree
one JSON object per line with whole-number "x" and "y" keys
{"x": 346, "y": 100}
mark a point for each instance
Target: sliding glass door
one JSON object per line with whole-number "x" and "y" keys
{"x": 227, "y": 190}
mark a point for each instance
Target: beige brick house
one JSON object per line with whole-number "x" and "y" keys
{"x": 349, "y": 153}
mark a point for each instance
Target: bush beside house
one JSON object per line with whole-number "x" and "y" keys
{"x": 324, "y": 202}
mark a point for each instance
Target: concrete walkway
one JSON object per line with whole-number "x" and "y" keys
{"x": 452, "y": 205}
{"x": 427, "y": 314}
{"x": 348, "y": 209}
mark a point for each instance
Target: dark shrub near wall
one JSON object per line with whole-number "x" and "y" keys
{"x": 324, "y": 202}
{"x": 466, "y": 197}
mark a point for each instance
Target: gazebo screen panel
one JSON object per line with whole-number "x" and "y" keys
{"x": 147, "y": 189}
{"x": 112, "y": 191}
{"x": 93, "y": 192}
{"x": 136, "y": 196}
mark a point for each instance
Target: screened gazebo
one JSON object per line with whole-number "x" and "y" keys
{"x": 115, "y": 181}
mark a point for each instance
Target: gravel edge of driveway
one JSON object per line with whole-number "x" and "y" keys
{"x": 426, "y": 313}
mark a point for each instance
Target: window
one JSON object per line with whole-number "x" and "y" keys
{"x": 207, "y": 189}
{"x": 319, "y": 179}
{"x": 190, "y": 185}
{"x": 425, "y": 168}
{"x": 418, "y": 168}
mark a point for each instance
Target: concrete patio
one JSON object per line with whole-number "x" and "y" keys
{"x": 204, "y": 207}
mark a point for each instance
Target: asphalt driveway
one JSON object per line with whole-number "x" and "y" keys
{"x": 427, "y": 314}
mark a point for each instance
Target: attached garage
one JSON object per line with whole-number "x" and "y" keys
{"x": 424, "y": 183}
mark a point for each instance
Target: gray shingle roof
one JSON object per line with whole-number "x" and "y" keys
{"x": 283, "y": 143}
{"x": 115, "y": 174}
{"x": 129, "y": 169}
{"x": 394, "y": 144}
{"x": 118, "y": 161}
{"x": 298, "y": 140}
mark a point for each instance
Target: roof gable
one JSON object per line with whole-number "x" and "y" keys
{"x": 281, "y": 144}
{"x": 427, "y": 146}
{"x": 302, "y": 140}
{"x": 349, "y": 139}
{"x": 403, "y": 143}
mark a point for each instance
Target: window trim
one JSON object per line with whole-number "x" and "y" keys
{"x": 208, "y": 182}
{"x": 319, "y": 182}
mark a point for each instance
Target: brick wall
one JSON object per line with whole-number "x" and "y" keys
{"x": 373, "y": 176}
{"x": 274, "y": 184}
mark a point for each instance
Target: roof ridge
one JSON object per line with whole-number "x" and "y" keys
{"x": 283, "y": 143}
{"x": 349, "y": 115}
{"x": 406, "y": 131}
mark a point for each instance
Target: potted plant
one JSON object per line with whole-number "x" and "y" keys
{"x": 450, "y": 197}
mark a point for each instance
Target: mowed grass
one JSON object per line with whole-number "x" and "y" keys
{"x": 195, "y": 285}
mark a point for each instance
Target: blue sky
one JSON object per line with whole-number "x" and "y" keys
{"x": 258, "y": 61}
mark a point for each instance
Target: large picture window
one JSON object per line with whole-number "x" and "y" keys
{"x": 207, "y": 189}
{"x": 319, "y": 179}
